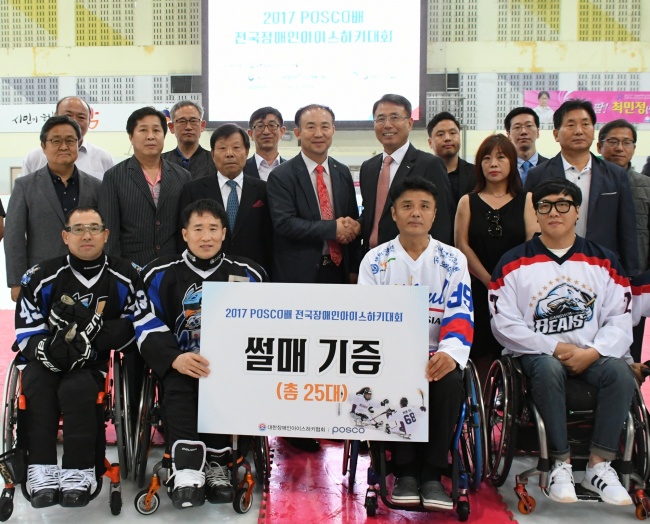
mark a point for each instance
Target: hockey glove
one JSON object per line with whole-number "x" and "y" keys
{"x": 55, "y": 353}
{"x": 422, "y": 408}
{"x": 384, "y": 402}
{"x": 83, "y": 349}
{"x": 67, "y": 310}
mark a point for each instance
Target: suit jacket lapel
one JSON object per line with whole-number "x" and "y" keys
{"x": 45, "y": 183}
{"x": 304, "y": 179}
{"x": 595, "y": 187}
{"x": 139, "y": 179}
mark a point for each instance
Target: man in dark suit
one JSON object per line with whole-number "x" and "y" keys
{"x": 41, "y": 200}
{"x": 522, "y": 128}
{"x": 187, "y": 124}
{"x": 444, "y": 140}
{"x": 139, "y": 196}
{"x": 393, "y": 123}
{"x": 307, "y": 246}
{"x": 314, "y": 213}
{"x": 609, "y": 217}
{"x": 251, "y": 234}
{"x": 266, "y": 128}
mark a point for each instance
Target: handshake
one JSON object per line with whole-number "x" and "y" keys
{"x": 74, "y": 327}
{"x": 347, "y": 229}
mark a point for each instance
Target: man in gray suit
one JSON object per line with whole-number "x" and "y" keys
{"x": 41, "y": 200}
{"x": 139, "y": 196}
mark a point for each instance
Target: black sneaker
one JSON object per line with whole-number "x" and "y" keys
{"x": 76, "y": 487}
{"x": 43, "y": 484}
{"x": 219, "y": 489}
{"x": 188, "y": 463}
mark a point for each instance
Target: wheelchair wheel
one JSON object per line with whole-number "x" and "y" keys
{"x": 243, "y": 501}
{"x": 472, "y": 445}
{"x": 121, "y": 419}
{"x": 116, "y": 503}
{"x": 10, "y": 408}
{"x": 144, "y": 429}
{"x": 262, "y": 461}
{"x": 641, "y": 449}
{"x": 141, "y": 505}
{"x": 6, "y": 508}
{"x": 500, "y": 419}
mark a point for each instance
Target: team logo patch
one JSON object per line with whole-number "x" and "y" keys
{"x": 188, "y": 323}
{"x": 565, "y": 308}
{"x": 29, "y": 274}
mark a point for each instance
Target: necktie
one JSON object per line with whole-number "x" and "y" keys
{"x": 382, "y": 194}
{"x": 327, "y": 213}
{"x": 525, "y": 167}
{"x": 232, "y": 206}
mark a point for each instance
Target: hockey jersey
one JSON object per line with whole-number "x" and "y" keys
{"x": 582, "y": 298}
{"x": 444, "y": 269}
{"x": 640, "y": 296}
{"x": 117, "y": 284}
{"x": 174, "y": 287}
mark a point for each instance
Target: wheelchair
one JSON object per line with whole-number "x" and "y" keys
{"x": 513, "y": 421}
{"x": 468, "y": 453}
{"x": 111, "y": 404}
{"x": 149, "y": 420}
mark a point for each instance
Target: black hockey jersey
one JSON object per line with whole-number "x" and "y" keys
{"x": 174, "y": 287}
{"x": 117, "y": 284}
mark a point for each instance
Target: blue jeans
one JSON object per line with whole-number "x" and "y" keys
{"x": 615, "y": 382}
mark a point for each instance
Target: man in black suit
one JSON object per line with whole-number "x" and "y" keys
{"x": 307, "y": 246}
{"x": 266, "y": 128}
{"x": 609, "y": 217}
{"x": 522, "y": 128}
{"x": 444, "y": 140}
{"x": 393, "y": 123}
{"x": 251, "y": 234}
{"x": 139, "y": 196}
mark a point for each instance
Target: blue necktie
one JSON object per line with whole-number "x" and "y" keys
{"x": 525, "y": 167}
{"x": 232, "y": 206}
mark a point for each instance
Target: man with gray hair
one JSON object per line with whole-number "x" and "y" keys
{"x": 187, "y": 125}
{"x": 92, "y": 159}
{"x": 617, "y": 143}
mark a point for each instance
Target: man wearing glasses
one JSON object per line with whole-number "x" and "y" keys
{"x": 71, "y": 312}
{"x": 617, "y": 143}
{"x": 607, "y": 216}
{"x": 265, "y": 128}
{"x": 561, "y": 304}
{"x": 522, "y": 128}
{"x": 187, "y": 124}
{"x": 399, "y": 159}
{"x": 40, "y": 201}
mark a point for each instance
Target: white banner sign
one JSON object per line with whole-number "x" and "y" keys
{"x": 300, "y": 360}
{"x": 105, "y": 117}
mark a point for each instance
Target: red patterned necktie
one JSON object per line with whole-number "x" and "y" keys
{"x": 327, "y": 213}
{"x": 382, "y": 194}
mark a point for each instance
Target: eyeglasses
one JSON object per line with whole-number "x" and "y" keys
{"x": 615, "y": 142}
{"x": 518, "y": 128}
{"x": 80, "y": 229}
{"x": 57, "y": 142}
{"x": 393, "y": 119}
{"x": 194, "y": 122}
{"x": 273, "y": 126}
{"x": 494, "y": 229}
{"x": 561, "y": 206}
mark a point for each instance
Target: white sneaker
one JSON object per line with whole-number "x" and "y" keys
{"x": 603, "y": 479}
{"x": 561, "y": 487}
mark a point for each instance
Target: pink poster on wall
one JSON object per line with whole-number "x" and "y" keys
{"x": 633, "y": 106}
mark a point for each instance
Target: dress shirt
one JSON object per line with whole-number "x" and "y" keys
{"x": 264, "y": 168}
{"x": 225, "y": 188}
{"x": 397, "y": 156}
{"x": 68, "y": 194}
{"x": 311, "y": 167}
{"x": 583, "y": 180}
{"x": 534, "y": 160}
